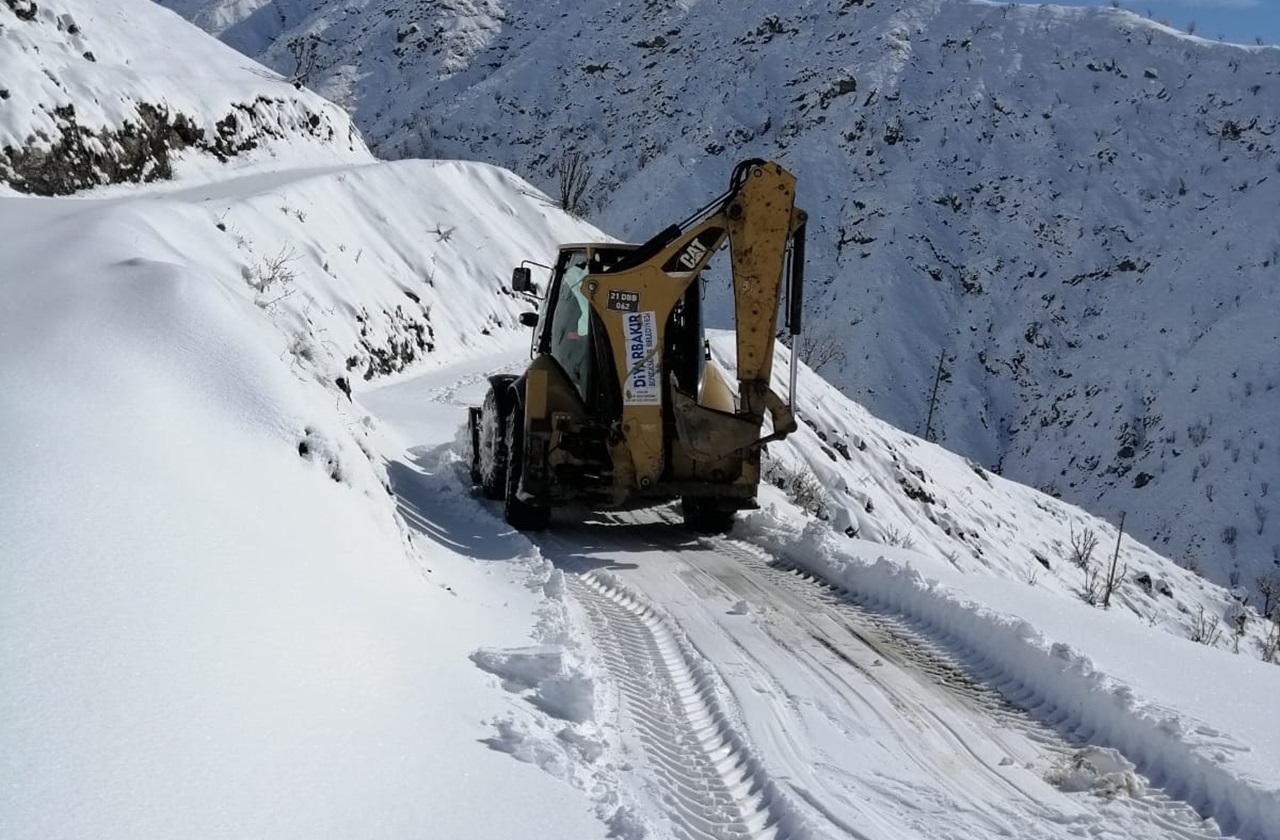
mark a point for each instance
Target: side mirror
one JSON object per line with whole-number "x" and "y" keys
{"x": 528, "y": 319}
{"x": 522, "y": 280}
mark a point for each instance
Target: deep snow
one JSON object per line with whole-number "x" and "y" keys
{"x": 212, "y": 622}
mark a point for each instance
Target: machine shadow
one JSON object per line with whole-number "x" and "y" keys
{"x": 433, "y": 495}
{"x": 433, "y": 498}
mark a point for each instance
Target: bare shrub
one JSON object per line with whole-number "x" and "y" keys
{"x": 1091, "y": 592}
{"x": 821, "y": 349}
{"x": 807, "y": 492}
{"x": 801, "y": 486}
{"x": 893, "y": 537}
{"x": 1082, "y": 547}
{"x": 575, "y": 173}
{"x": 1237, "y": 618}
{"x": 273, "y": 275}
{"x": 1115, "y": 572}
{"x": 1207, "y": 630}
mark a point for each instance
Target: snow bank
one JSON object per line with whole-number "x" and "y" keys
{"x": 557, "y": 687}
{"x": 875, "y": 482}
{"x": 1224, "y": 760}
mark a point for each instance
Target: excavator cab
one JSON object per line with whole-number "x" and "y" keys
{"x": 620, "y": 405}
{"x": 566, "y": 335}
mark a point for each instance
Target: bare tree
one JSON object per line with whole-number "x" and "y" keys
{"x": 821, "y": 349}
{"x": 1271, "y": 642}
{"x": 941, "y": 376}
{"x": 575, "y": 173}
{"x": 1207, "y": 629}
{"x": 305, "y": 50}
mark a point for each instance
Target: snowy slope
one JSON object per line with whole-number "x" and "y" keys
{"x": 873, "y": 482}
{"x": 81, "y": 105}
{"x": 1071, "y": 206}
{"x": 211, "y": 621}
{"x": 243, "y": 593}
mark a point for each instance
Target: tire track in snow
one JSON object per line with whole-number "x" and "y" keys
{"x": 890, "y": 636}
{"x": 712, "y": 787}
{"x": 981, "y": 686}
{"x": 845, "y": 632}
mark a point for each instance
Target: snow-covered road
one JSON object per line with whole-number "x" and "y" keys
{"x": 737, "y": 697}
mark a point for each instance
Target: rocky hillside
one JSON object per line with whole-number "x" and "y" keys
{"x": 80, "y": 107}
{"x": 1070, "y": 208}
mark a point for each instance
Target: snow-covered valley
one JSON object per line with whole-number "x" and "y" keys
{"x": 245, "y": 589}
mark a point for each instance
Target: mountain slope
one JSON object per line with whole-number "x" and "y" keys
{"x": 1065, "y": 205}
{"x": 81, "y": 107}
{"x": 235, "y": 602}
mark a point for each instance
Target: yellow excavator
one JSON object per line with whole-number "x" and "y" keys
{"x": 621, "y": 405}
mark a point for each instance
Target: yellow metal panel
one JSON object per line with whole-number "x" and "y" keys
{"x": 759, "y": 226}
{"x": 657, "y": 293}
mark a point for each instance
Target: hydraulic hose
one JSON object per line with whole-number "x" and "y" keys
{"x": 795, "y": 306}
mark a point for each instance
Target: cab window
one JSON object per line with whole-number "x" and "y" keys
{"x": 569, "y": 340}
